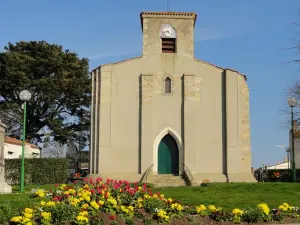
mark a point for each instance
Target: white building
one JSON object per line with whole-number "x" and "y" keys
{"x": 13, "y": 149}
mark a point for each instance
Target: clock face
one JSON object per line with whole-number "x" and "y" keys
{"x": 167, "y": 31}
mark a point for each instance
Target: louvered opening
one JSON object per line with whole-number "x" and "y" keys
{"x": 168, "y": 45}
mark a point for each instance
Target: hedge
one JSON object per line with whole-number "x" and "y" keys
{"x": 37, "y": 170}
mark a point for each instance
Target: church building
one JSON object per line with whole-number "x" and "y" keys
{"x": 168, "y": 113}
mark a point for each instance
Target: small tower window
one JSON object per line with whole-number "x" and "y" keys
{"x": 168, "y": 45}
{"x": 168, "y": 85}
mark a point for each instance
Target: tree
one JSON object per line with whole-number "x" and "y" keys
{"x": 60, "y": 85}
{"x": 53, "y": 149}
{"x": 294, "y": 91}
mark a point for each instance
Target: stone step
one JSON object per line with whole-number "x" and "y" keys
{"x": 166, "y": 177}
{"x": 169, "y": 184}
{"x": 163, "y": 180}
{"x": 168, "y": 180}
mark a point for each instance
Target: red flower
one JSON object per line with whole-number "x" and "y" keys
{"x": 112, "y": 217}
{"x": 55, "y": 198}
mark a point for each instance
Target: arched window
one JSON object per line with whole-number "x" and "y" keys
{"x": 168, "y": 85}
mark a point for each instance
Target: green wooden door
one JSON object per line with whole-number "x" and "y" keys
{"x": 168, "y": 160}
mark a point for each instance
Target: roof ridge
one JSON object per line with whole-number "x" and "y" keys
{"x": 14, "y": 141}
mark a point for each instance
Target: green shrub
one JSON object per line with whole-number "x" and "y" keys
{"x": 61, "y": 214}
{"x": 252, "y": 216}
{"x": 151, "y": 205}
{"x": 6, "y": 213}
{"x": 37, "y": 170}
{"x": 220, "y": 216}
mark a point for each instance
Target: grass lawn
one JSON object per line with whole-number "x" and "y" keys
{"x": 225, "y": 195}
{"x": 22, "y": 200}
{"x": 241, "y": 195}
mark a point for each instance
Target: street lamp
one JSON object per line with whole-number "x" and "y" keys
{"x": 24, "y": 96}
{"x": 292, "y": 103}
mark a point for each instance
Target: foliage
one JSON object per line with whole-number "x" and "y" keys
{"x": 53, "y": 149}
{"x": 87, "y": 202}
{"x": 62, "y": 213}
{"x": 37, "y": 170}
{"x": 252, "y": 215}
{"x": 220, "y": 215}
{"x": 60, "y": 85}
{"x": 6, "y": 213}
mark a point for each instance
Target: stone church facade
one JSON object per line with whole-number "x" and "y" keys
{"x": 166, "y": 112}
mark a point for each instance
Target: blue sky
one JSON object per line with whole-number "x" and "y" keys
{"x": 244, "y": 35}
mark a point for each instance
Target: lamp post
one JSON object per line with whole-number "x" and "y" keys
{"x": 292, "y": 103}
{"x": 24, "y": 96}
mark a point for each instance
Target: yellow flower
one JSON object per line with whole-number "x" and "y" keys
{"x": 27, "y": 215}
{"x": 82, "y": 219}
{"x": 170, "y": 200}
{"x": 87, "y": 198}
{"x": 154, "y": 196}
{"x": 85, "y": 206}
{"x": 72, "y": 191}
{"x": 26, "y": 220}
{"x": 176, "y": 206}
{"x": 28, "y": 223}
{"x": 50, "y": 203}
{"x": 124, "y": 209}
{"x": 264, "y": 208}
{"x": 63, "y": 186}
{"x": 84, "y": 213}
{"x": 16, "y": 219}
{"x": 146, "y": 196}
{"x": 74, "y": 201}
{"x": 237, "y": 212}
{"x": 130, "y": 208}
{"x": 200, "y": 208}
{"x": 112, "y": 201}
{"x": 40, "y": 193}
{"x": 162, "y": 214}
{"x": 212, "y": 208}
{"x": 43, "y": 203}
{"x": 285, "y": 207}
{"x": 28, "y": 210}
{"x": 94, "y": 204}
{"x": 46, "y": 215}
{"x": 101, "y": 203}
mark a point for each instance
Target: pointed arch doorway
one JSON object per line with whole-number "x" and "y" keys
{"x": 168, "y": 156}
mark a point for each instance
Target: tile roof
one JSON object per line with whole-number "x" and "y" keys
{"x": 15, "y": 141}
{"x": 180, "y": 14}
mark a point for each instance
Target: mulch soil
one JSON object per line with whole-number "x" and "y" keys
{"x": 189, "y": 220}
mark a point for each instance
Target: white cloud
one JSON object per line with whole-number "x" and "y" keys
{"x": 206, "y": 34}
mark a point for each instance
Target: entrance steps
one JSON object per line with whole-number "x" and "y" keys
{"x": 167, "y": 180}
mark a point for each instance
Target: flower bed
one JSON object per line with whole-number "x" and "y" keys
{"x": 119, "y": 202}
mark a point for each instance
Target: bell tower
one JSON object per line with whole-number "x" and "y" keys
{"x": 168, "y": 33}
